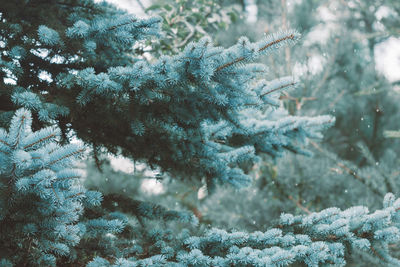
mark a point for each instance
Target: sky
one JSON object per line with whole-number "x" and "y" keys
{"x": 387, "y": 56}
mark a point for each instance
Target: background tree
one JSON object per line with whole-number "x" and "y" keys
{"x": 347, "y": 85}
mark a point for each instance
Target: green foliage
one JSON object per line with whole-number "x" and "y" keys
{"x": 188, "y": 21}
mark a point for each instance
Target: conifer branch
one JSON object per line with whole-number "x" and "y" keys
{"x": 40, "y": 140}
{"x": 18, "y": 137}
{"x": 72, "y": 154}
{"x": 279, "y": 88}
{"x": 51, "y": 221}
{"x": 54, "y": 191}
{"x": 5, "y": 143}
{"x": 266, "y": 46}
{"x": 68, "y": 178}
{"x": 122, "y": 24}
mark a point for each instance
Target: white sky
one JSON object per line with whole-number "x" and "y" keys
{"x": 387, "y": 55}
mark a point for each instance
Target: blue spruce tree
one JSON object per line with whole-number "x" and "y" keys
{"x": 41, "y": 198}
{"x": 203, "y": 115}
{"x": 40, "y": 201}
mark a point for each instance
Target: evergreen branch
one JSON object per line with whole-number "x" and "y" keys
{"x": 377, "y": 254}
{"x": 268, "y": 45}
{"x": 329, "y": 231}
{"x": 54, "y": 191}
{"x": 289, "y": 37}
{"x": 68, "y": 178}
{"x": 122, "y": 24}
{"x": 29, "y": 212}
{"x": 18, "y": 137}
{"x": 76, "y": 195}
{"x": 40, "y": 140}
{"x": 278, "y": 88}
{"x": 5, "y": 143}
{"x": 67, "y": 156}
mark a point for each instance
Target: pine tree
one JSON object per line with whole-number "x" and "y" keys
{"x": 202, "y": 115}
{"x": 194, "y": 103}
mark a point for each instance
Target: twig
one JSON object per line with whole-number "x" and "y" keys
{"x": 279, "y": 88}
{"x": 298, "y": 204}
{"x": 291, "y": 36}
